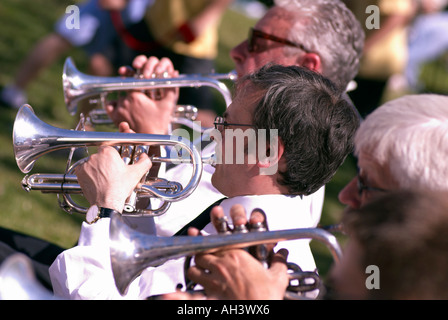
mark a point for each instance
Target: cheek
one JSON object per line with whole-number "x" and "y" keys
{"x": 266, "y": 57}
{"x": 254, "y": 61}
{"x": 246, "y": 66}
{"x": 277, "y": 55}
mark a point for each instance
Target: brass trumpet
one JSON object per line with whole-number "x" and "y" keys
{"x": 78, "y": 86}
{"x": 32, "y": 138}
{"x": 131, "y": 252}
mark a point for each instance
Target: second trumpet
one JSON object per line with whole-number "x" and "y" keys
{"x": 32, "y": 138}
{"x": 78, "y": 86}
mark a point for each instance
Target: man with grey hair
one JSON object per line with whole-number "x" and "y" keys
{"x": 322, "y": 35}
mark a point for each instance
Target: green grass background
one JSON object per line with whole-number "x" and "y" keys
{"x": 24, "y": 22}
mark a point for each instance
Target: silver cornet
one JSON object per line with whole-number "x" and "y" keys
{"x": 78, "y": 86}
{"x": 32, "y": 138}
{"x": 131, "y": 251}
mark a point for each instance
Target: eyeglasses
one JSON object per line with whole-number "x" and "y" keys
{"x": 362, "y": 186}
{"x": 221, "y": 124}
{"x": 254, "y": 34}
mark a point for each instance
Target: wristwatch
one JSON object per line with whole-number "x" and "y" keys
{"x": 95, "y": 213}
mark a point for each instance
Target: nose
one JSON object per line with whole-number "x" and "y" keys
{"x": 238, "y": 53}
{"x": 349, "y": 195}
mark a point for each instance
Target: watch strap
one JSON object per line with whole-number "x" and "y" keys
{"x": 100, "y": 213}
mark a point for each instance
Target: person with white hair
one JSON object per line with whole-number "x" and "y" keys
{"x": 401, "y": 146}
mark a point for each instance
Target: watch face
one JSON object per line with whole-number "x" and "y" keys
{"x": 92, "y": 214}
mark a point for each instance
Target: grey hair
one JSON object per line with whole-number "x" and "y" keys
{"x": 330, "y": 29}
{"x": 409, "y": 135}
{"x": 314, "y": 122}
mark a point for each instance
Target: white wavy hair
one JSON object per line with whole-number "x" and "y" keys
{"x": 410, "y": 136}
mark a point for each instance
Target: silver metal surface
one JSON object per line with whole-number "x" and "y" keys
{"x": 131, "y": 252}
{"x": 33, "y": 138}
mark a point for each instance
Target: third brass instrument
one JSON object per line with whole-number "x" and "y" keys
{"x": 131, "y": 251}
{"x": 32, "y": 138}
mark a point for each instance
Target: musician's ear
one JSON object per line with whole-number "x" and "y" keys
{"x": 274, "y": 154}
{"x": 311, "y": 61}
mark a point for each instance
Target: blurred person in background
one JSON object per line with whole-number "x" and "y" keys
{"x": 427, "y": 65}
{"x": 398, "y": 147}
{"x": 96, "y": 35}
{"x": 385, "y": 49}
{"x": 186, "y": 32}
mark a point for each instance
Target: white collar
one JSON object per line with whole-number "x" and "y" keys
{"x": 282, "y": 211}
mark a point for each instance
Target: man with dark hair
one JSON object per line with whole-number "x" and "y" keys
{"x": 293, "y": 104}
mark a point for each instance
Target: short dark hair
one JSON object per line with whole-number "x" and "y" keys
{"x": 315, "y": 123}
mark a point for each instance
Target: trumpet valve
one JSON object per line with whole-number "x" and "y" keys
{"x": 25, "y": 184}
{"x": 186, "y": 111}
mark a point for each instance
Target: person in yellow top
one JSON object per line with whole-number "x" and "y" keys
{"x": 188, "y": 28}
{"x": 187, "y": 33}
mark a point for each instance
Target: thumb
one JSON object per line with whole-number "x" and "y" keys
{"x": 141, "y": 166}
{"x": 279, "y": 269}
{"x": 279, "y": 261}
{"x": 124, "y": 127}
